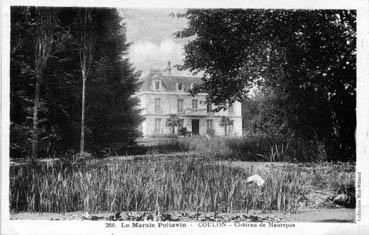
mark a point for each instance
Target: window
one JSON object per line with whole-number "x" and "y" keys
{"x": 230, "y": 130}
{"x": 157, "y": 105}
{"x": 180, "y": 86}
{"x": 208, "y": 108}
{"x": 230, "y": 110}
{"x": 195, "y": 104}
{"x": 157, "y": 124}
{"x": 180, "y": 123}
{"x": 180, "y": 106}
{"x": 209, "y": 125}
{"x": 157, "y": 85}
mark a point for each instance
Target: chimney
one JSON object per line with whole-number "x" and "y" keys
{"x": 169, "y": 69}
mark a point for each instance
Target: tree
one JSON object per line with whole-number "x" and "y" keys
{"x": 46, "y": 37}
{"x": 111, "y": 113}
{"x": 87, "y": 41}
{"x": 307, "y": 57}
{"x": 173, "y": 121}
{"x": 226, "y": 122}
{"x": 263, "y": 114}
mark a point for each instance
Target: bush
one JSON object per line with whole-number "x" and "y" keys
{"x": 182, "y": 131}
{"x": 275, "y": 148}
{"x": 252, "y": 148}
{"x": 340, "y": 179}
{"x": 210, "y": 132}
{"x": 165, "y": 145}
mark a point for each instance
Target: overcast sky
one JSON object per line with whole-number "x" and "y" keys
{"x": 151, "y": 32}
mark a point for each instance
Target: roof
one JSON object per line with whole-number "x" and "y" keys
{"x": 169, "y": 82}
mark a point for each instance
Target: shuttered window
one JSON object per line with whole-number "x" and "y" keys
{"x": 195, "y": 104}
{"x": 180, "y": 106}
{"x": 209, "y": 124}
{"x": 157, "y": 105}
{"x": 157, "y": 124}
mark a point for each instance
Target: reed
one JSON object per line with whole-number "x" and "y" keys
{"x": 153, "y": 184}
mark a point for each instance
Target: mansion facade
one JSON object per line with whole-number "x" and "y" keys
{"x": 164, "y": 97}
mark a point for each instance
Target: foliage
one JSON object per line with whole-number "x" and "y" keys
{"x": 172, "y": 121}
{"x": 340, "y": 179}
{"x": 182, "y": 131}
{"x": 111, "y": 110}
{"x": 161, "y": 184}
{"x": 210, "y": 132}
{"x": 275, "y": 148}
{"x": 263, "y": 114}
{"x": 307, "y": 57}
{"x": 226, "y": 121}
{"x": 37, "y": 38}
{"x": 252, "y": 148}
{"x": 111, "y": 114}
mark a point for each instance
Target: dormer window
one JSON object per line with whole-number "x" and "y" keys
{"x": 157, "y": 85}
{"x": 180, "y": 86}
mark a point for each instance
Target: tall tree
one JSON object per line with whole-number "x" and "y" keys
{"x": 87, "y": 41}
{"x": 45, "y": 36}
{"x": 44, "y": 41}
{"x": 111, "y": 114}
{"x": 306, "y": 56}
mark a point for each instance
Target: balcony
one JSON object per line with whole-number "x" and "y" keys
{"x": 197, "y": 112}
{"x": 158, "y": 111}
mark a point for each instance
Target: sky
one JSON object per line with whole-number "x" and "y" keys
{"x": 151, "y": 32}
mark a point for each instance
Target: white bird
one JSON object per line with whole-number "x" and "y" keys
{"x": 255, "y": 179}
{"x": 86, "y": 216}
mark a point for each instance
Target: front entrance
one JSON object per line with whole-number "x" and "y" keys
{"x": 195, "y": 126}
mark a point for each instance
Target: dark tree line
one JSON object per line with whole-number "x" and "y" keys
{"x": 304, "y": 59}
{"x": 52, "y": 50}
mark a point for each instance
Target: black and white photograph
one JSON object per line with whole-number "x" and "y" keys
{"x": 164, "y": 117}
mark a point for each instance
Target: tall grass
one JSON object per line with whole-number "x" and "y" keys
{"x": 181, "y": 184}
{"x": 338, "y": 178}
{"x": 275, "y": 148}
{"x": 251, "y": 148}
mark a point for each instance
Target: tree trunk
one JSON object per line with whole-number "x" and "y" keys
{"x": 35, "y": 117}
{"x": 85, "y": 62}
{"x": 45, "y": 21}
{"x": 82, "y": 143}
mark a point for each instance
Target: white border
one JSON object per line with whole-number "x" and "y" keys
{"x": 89, "y": 227}
{"x": 283, "y": 4}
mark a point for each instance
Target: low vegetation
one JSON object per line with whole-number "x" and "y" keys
{"x": 154, "y": 184}
{"x": 251, "y": 148}
{"x": 337, "y": 177}
{"x": 204, "y": 181}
